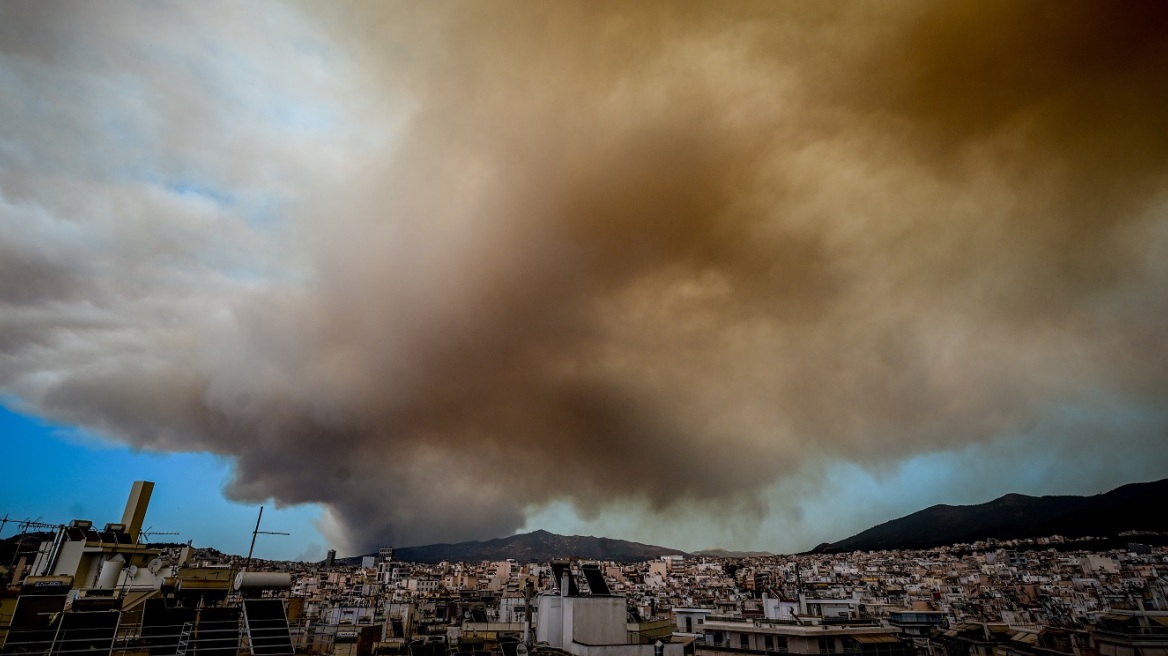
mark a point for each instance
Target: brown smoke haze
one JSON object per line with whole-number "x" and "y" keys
{"x": 610, "y": 254}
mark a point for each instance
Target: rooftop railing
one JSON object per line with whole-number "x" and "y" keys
{"x": 1138, "y": 634}
{"x": 805, "y": 620}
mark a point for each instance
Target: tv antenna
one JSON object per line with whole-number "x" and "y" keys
{"x": 24, "y": 526}
{"x": 256, "y": 532}
{"x": 146, "y": 534}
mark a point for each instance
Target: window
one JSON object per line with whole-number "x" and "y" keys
{"x": 744, "y": 640}
{"x": 768, "y": 642}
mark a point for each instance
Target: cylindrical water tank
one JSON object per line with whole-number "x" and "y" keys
{"x": 263, "y": 581}
{"x": 110, "y": 569}
{"x": 171, "y": 585}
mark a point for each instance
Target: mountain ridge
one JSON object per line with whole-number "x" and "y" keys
{"x": 1010, "y": 516}
{"x": 719, "y": 552}
{"x": 1017, "y": 516}
{"x": 536, "y": 546}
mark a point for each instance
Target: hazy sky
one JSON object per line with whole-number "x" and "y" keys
{"x": 750, "y": 275}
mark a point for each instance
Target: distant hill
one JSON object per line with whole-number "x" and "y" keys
{"x": 725, "y": 553}
{"x": 26, "y": 544}
{"x": 1138, "y": 506}
{"x": 538, "y": 546}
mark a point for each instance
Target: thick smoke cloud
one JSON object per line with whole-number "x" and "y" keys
{"x": 436, "y": 266}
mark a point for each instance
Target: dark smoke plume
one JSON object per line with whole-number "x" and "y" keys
{"x": 613, "y": 254}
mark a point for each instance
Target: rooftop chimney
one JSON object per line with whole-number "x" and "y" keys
{"x": 136, "y": 508}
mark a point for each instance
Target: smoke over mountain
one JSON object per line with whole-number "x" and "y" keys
{"x": 434, "y": 266}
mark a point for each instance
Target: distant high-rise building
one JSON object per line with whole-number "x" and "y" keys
{"x": 332, "y": 558}
{"x": 384, "y": 554}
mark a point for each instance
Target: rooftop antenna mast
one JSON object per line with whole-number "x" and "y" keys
{"x": 256, "y": 532}
{"x": 24, "y": 526}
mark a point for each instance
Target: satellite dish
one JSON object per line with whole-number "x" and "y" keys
{"x": 133, "y": 569}
{"x": 521, "y": 649}
{"x": 155, "y": 565}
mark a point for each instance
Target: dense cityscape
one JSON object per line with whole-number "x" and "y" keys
{"x": 111, "y": 591}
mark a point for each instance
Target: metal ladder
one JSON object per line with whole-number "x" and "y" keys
{"x": 184, "y": 639}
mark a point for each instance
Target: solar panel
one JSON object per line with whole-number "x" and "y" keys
{"x": 558, "y": 570}
{"x": 86, "y": 633}
{"x": 33, "y": 623}
{"x": 595, "y": 579}
{"x": 267, "y": 627}
{"x": 217, "y": 632}
{"x": 162, "y": 626}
